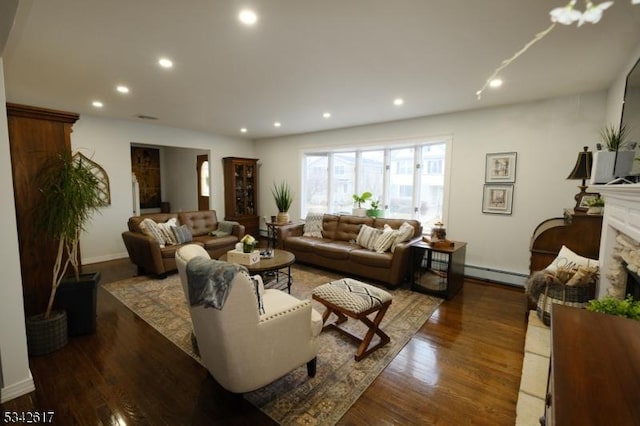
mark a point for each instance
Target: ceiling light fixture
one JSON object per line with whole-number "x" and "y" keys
{"x": 97, "y": 104}
{"x": 277, "y": 124}
{"x": 165, "y": 63}
{"x": 326, "y": 115}
{"x": 243, "y": 130}
{"x": 247, "y": 17}
{"x": 495, "y": 83}
{"x": 566, "y": 15}
{"x": 122, "y": 89}
{"x": 398, "y": 101}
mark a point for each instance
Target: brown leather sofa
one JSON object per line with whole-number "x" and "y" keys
{"x": 337, "y": 249}
{"x": 145, "y": 251}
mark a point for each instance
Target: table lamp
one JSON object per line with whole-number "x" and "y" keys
{"x": 582, "y": 170}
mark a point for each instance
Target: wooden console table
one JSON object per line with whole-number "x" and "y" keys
{"x": 595, "y": 369}
{"x": 438, "y": 271}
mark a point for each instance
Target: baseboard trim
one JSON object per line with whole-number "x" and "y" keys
{"x": 106, "y": 258}
{"x": 17, "y": 389}
{"x": 495, "y": 275}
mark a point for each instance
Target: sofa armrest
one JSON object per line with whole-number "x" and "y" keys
{"x": 285, "y": 231}
{"x": 144, "y": 252}
{"x": 401, "y": 262}
{"x": 238, "y": 230}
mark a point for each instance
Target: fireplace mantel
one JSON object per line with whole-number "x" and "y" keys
{"x": 621, "y": 214}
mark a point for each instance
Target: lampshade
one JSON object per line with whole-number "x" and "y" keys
{"x": 582, "y": 169}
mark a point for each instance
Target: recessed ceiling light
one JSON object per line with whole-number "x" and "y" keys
{"x": 165, "y": 63}
{"x": 326, "y": 115}
{"x": 243, "y": 130}
{"x": 122, "y": 89}
{"x": 496, "y": 82}
{"x": 277, "y": 124}
{"x": 97, "y": 104}
{"x": 247, "y": 17}
{"x": 398, "y": 101}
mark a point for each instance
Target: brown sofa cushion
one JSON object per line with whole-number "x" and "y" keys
{"x": 334, "y": 249}
{"x": 200, "y": 222}
{"x": 371, "y": 258}
{"x": 349, "y": 227}
{"x": 301, "y": 244}
{"x": 329, "y": 225}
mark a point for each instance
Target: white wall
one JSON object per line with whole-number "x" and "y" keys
{"x": 108, "y": 141}
{"x": 15, "y": 377}
{"x": 547, "y": 135}
{"x": 181, "y": 179}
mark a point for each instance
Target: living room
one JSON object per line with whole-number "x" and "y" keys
{"x": 546, "y": 132}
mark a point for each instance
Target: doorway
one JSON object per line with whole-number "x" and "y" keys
{"x": 202, "y": 170}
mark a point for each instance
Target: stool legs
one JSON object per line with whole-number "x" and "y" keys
{"x": 373, "y": 326}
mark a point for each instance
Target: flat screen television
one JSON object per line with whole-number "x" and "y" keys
{"x": 631, "y": 113}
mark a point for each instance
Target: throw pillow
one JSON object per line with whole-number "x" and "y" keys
{"x": 313, "y": 225}
{"x": 405, "y": 232}
{"x": 386, "y": 238}
{"x": 167, "y": 233}
{"x": 567, "y": 258}
{"x": 367, "y": 237}
{"x": 182, "y": 234}
{"x": 150, "y": 228}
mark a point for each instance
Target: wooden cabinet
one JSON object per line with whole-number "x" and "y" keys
{"x": 34, "y": 135}
{"x": 595, "y": 369}
{"x": 438, "y": 271}
{"x": 241, "y": 192}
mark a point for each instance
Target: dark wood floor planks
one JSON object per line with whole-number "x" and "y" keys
{"x": 462, "y": 367}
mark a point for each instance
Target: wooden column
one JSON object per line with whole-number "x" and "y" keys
{"x": 34, "y": 135}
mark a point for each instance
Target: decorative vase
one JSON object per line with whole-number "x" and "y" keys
{"x": 359, "y": 212}
{"x": 374, "y": 212}
{"x": 46, "y": 335}
{"x": 595, "y": 210}
{"x": 79, "y": 300}
{"x": 283, "y": 217}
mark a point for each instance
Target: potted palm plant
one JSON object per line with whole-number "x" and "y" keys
{"x": 283, "y": 197}
{"x": 70, "y": 195}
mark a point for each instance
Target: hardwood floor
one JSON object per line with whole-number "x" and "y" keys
{"x": 463, "y": 366}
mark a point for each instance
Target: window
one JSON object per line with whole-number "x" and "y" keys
{"x": 408, "y": 180}
{"x": 204, "y": 179}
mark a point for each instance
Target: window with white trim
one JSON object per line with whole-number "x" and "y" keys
{"x": 409, "y": 180}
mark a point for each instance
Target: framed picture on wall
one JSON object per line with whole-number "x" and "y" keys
{"x": 500, "y": 167}
{"x": 497, "y": 199}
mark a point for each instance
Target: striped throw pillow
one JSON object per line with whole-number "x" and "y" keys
{"x": 385, "y": 239}
{"x": 367, "y": 237}
{"x": 150, "y": 228}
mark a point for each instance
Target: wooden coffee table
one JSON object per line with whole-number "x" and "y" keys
{"x": 281, "y": 259}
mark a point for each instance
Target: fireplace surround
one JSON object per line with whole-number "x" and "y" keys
{"x": 620, "y": 236}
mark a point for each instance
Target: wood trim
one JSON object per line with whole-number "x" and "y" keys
{"x": 17, "y": 110}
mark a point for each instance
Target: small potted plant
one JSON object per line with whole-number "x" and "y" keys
{"x": 283, "y": 199}
{"x": 357, "y": 201}
{"x": 615, "y": 160}
{"x": 374, "y": 210}
{"x": 627, "y": 307}
{"x": 595, "y": 204}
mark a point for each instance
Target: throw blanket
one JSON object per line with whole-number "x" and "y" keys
{"x": 209, "y": 281}
{"x": 224, "y": 228}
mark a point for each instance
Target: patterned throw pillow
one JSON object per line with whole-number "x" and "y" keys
{"x": 367, "y": 237}
{"x": 182, "y": 234}
{"x": 167, "y": 233}
{"x": 384, "y": 241}
{"x": 313, "y": 225}
{"x": 150, "y": 228}
{"x": 405, "y": 232}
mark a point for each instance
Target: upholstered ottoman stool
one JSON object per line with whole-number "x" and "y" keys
{"x": 348, "y": 297}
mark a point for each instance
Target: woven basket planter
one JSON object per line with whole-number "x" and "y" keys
{"x": 46, "y": 335}
{"x": 576, "y": 296}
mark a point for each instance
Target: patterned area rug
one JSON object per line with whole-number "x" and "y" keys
{"x": 295, "y": 398}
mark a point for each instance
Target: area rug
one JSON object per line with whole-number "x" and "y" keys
{"x": 295, "y": 398}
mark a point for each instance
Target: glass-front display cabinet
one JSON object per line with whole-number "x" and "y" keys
{"x": 241, "y": 192}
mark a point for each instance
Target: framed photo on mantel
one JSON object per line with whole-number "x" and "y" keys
{"x": 500, "y": 167}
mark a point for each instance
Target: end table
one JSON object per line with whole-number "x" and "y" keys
{"x": 438, "y": 271}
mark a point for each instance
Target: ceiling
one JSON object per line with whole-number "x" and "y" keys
{"x": 302, "y": 58}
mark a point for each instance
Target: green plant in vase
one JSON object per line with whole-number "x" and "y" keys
{"x": 627, "y": 307}
{"x": 374, "y": 210}
{"x": 283, "y": 198}
{"x": 358, "y": 200}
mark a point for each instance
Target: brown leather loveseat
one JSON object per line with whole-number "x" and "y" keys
{"x": 337, "y": 249}
{"x": 146, "y": 252}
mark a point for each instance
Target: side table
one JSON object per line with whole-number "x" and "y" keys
{"x": 438, "y": 271}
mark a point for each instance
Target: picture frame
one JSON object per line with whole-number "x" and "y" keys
{"x": 500, "y": 167}
{"x": 586, "y": 198}
{"x": 497, "y": 199}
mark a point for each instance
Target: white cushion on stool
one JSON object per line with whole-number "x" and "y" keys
{"x": 352, "y": 295}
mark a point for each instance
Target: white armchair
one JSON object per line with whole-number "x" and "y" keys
{"x": 243, "y": 349}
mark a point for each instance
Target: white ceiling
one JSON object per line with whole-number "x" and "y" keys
{"x": 302, "y": 58}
